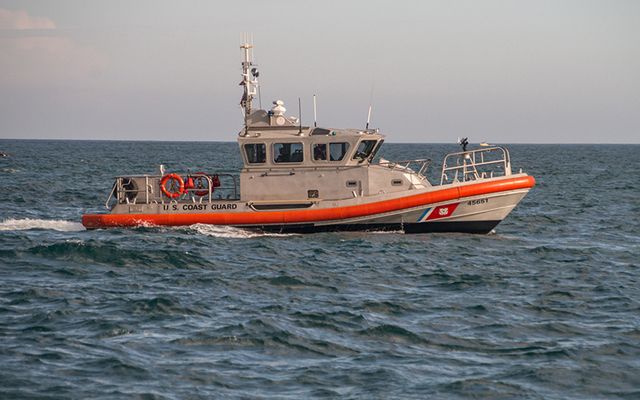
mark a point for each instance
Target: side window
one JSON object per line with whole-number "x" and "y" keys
{"x": 364, "y": 150}
{"x": 287, "y": 152}
{"x": 337, "y": 151}
{"x": 256, "y": 153}
{"x": 320, "y": 152}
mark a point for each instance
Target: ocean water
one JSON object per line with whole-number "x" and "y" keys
{"x": 545, "y": 307}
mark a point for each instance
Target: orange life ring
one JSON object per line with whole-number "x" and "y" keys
{"x": 170, "y": 193}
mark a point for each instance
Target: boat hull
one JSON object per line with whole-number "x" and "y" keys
{"x": 480, "y": 227}
{"x": 475, "y": 207}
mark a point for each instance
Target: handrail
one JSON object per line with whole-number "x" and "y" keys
{"x": 126, "y": 195}
{"x": 473, "y": 164}
{"x": 113, "y": 190}
{"x": 290, "y": 170}
{"x": 295, "y": 201}
{"x": 422, "y": 163}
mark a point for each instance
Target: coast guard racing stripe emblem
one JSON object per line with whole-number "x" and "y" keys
{"x": 438, "y": 212}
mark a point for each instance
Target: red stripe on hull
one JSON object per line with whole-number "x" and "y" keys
{"x": 302, "y": 216}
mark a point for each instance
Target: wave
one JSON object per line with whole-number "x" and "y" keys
{"x": 393, "y": 333}
{"x": 266, "y": 334}
{"x": 231, "y": 232}
{"x": 111, "y": 254}
{"x": 48, "y": 224}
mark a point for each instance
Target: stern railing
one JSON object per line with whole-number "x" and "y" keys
{"x": 145, "y": 189}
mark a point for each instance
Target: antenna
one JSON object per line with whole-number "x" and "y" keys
{"x": 300, "y": 116}
{"x": 370, "y": 105}
{"x": 255, "y": 74}
{"x": 315, "y": 111}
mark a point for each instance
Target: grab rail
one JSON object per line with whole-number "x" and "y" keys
{"x": 476, "y": 164}
{"x": 420, "y": 163}
{"x": 113, "y": 191}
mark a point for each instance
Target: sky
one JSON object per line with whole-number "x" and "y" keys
{"x": 544, "y": 71}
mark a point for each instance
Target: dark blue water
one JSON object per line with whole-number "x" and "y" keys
{"x": 548, "y": 306}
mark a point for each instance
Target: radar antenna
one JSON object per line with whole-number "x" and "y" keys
{"x": 249, "y": 80}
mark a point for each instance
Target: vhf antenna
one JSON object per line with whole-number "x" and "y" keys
{"x": 315, "y": 111}
{"x": 370, "y": 104}
{"x": 300, "y": 116}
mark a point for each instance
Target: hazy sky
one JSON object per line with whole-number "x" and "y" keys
{"x": 502, "y": 71}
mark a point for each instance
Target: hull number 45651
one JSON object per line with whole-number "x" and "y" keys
{"x": 477, "y": 201}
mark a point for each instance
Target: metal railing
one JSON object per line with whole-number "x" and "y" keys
{"x": 417, "y": 166}
{"x": 145, "y": 189}
{"x": 475, "y": 164}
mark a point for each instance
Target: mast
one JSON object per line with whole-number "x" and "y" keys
{"x": 249, "y": 81}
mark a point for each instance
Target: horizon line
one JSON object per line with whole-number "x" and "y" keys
{"x": 234, "y": 141}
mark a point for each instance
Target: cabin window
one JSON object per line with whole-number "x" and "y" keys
{"x": 337, "y": 151}
{"x": 287, "y": 152}
{"x": 320, "y": 152}
{"x": 352, "y": 184}
{"x": 376, "y": 149}
{"x": 396, "y": 182}
{"x": 364, "y": 149}
{"x": 256, "y": 153}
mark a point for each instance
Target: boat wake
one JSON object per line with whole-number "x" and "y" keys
{"x": 231, "y": 232}
{"x": 48, "y": 224}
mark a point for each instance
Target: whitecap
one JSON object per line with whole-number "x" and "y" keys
{"x": 51, "y": 224}
{"x": 224, "y": 231}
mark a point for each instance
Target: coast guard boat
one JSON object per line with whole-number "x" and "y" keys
{"x": 309, "y": 179}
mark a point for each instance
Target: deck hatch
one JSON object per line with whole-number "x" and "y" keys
{"x": 320, "y": 131}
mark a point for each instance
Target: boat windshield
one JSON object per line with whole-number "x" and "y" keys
{"x": 364, "y": 149}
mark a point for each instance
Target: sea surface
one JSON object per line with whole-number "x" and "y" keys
{"x": 545, "y": 307}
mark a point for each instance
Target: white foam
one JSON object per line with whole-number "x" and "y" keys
{"x": 51, "y": 224}
{"x": 381, "y": 232}
{"x": 230, "y": 232}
